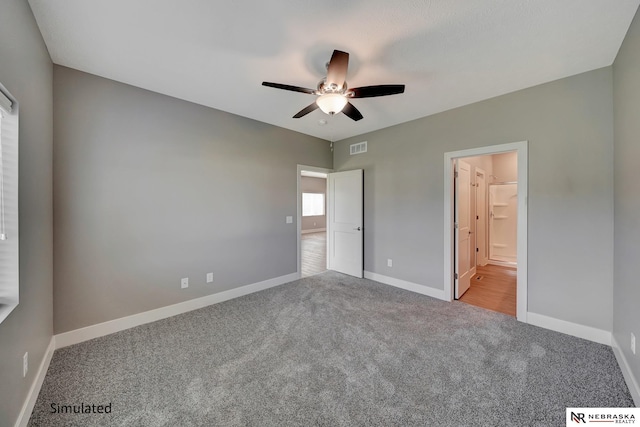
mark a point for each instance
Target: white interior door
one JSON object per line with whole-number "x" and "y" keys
{"x": 344, "y": 222}
{"x": 462, "y": 227}
{"x": 481, "y": 217}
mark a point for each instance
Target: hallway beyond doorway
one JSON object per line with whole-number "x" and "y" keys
{"x": 313, "y": 247}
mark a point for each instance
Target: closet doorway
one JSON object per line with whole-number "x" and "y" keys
{"x": 486, "y": 220}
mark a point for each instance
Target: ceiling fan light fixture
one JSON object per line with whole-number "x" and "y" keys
{"x": 331, "y": 103}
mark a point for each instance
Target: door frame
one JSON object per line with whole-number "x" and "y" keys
{"x": 521, "y": 148}
{"x": 299, "y": 209}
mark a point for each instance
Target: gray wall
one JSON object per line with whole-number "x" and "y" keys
{"x": 149, "y": 189}
{"x": 569, "y": 126}
{"x": 310, "y": 184}
{"x": 626, "y": 291}
{"x": 25, "y": 70}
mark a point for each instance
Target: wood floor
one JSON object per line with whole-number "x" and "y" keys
{"x": 493, "y": 287}
{"x": 313, "y": 247}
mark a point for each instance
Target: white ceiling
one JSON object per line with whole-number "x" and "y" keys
{"x": 448, "y": 53}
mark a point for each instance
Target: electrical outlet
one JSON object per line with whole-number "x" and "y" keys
{"x": 25, "y": 364}
{"x": 389, "y": 262}
{"x": 184, "y": 283}
{"x": 633, "y": 343}
{"x": 209, "y": 277}
{"x": 288, "y": 219}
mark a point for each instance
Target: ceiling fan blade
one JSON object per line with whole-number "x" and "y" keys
{"x": 306, "y": 110}
{"x": 352, "y": 112}
{"x": 337, "y": 69}
{"x": 373, "y": 91}
{"x": 289, "y": 87}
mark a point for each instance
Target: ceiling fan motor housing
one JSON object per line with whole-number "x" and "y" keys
{"x": 323, "y": 87}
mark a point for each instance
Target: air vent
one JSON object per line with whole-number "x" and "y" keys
{"x": 359, "y": 148}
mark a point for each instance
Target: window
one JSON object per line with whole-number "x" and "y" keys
{"x": 312, "y": 204}
{"x": 8, "y": 204}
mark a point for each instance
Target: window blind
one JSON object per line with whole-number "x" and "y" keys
{"x": 5, "y": 103}
{"x": 3, "y": 231}
{"x": 9, "y": 288}
{"x": 312, "y": 204}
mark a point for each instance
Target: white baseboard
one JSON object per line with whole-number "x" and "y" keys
{"x": 569, "y": 328}
{"x": 632, "y": 382}
{"x": 403, "y": 284}
{"x": 34, "y": 391}
{"x": 313, "y": 230}
{"x": 101, "y": 329}
{"x": 503, "y": 263}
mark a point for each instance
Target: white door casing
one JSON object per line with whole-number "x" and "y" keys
{"x": 462, "y": 227}
{"x": 345, "y": 222}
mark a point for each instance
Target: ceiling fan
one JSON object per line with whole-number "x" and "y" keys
{"x": 333, "y": 93}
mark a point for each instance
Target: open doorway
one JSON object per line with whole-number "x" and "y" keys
{"x": 487, "y": 217}
{"x": 312, "y": 220}
{"x": 338, "y": 245}
{"x": 485, "y": 223}
{"x": 313, "y": 227}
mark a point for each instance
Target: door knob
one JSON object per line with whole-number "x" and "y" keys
{"x": 357, "y": 229}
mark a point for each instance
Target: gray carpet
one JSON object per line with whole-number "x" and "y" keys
{"x": 331, "y": 350}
